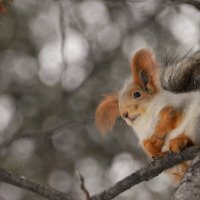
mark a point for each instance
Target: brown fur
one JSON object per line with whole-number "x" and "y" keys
{"x": 131, "y": 106}
{"x": 178, "y": 171}
{"x": 176, "y": 145}
{"x": 107, "y": 112}
{"x": 2, "y": 7}
{"x": 169, "y": 119}
{"x": 108, "y": 109}
{"x": 145, "y": 82}
{"x": 153, "y": 146}
{"x": 179, "y": 143}
{"x": 143, "y": 62}
{"x": 143, "y": 67}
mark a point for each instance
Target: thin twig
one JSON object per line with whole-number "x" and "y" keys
{"x": 38, "y": 134}
{"x": 83, "y": 188}
{"x": 62, "y": 27}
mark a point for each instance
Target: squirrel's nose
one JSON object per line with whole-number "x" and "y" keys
{"x": 125, "y": 114}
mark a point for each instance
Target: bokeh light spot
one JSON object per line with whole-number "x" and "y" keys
{"x": 94, "y": 13}
{"x": 91, "y": 169}
{"x": 64, "y": 140}
{"x": 50, "y": 63}
{"x": 76, "y": 48}
{"x": 22, "y": 149}
{"x": 60, "y": 180}
{"x": 25, "y": 67}
{"x": 109, "y": 37}
{"x": 122, "y": 165}
{"x": 7, "y": 109}
{"x": 184, "y": 30}
{"x": 72, "y": 77}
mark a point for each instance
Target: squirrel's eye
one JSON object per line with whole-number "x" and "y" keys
{"x": 136, "y": 95}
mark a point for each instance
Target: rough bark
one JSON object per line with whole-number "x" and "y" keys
{"x": 190, "y": 185}
{"x": 149, "y": 171}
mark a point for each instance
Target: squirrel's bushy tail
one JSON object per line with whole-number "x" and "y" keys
{"x": 183, "y": 75}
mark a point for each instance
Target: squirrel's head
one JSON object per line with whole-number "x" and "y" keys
{"x": 134, "y": 99}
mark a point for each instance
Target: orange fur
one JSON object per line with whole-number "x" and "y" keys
{"x": 176, "y": 145}
{"x": 2, "y": 7}
{"x": 133, "y": 107}
{"x": 153, "y": 146}
{"x": 169, "y": 119}
{"x": 107, "y": 112}
{"x": 179, "y": 143}
{"x": 143, "y": 62}
{"x": 133, "y": 103}
{"x": 178, "y": 171}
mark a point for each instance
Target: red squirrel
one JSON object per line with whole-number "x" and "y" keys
{"x": 161, "y": 104}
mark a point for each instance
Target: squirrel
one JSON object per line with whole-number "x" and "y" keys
{"x": 161, "y": 104}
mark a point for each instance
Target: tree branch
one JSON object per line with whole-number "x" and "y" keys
{"x": 190, "y": 185}
{"x": 83, "y": 188}
{"x": 195, "y": 3}
{"x": 22, "y": 182}
{"x": 149, "y": 171}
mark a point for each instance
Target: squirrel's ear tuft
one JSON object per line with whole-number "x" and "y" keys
{"x": 107, "y": 112}
{"x": 144, "y": 69}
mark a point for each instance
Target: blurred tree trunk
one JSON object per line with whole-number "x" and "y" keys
{"x": 190, "y": 185}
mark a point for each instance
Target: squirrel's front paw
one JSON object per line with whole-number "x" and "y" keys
{"x": 179, "y": 143}
{"x": 153, "y": 147}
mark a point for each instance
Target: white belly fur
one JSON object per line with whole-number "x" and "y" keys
{"x": 189, "y": 102}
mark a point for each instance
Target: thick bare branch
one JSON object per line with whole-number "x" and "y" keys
{"x": 149, "y": 171}
{"x": 190, "y": 185}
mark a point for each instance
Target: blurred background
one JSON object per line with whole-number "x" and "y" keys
{"x": 57, "y": 58}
